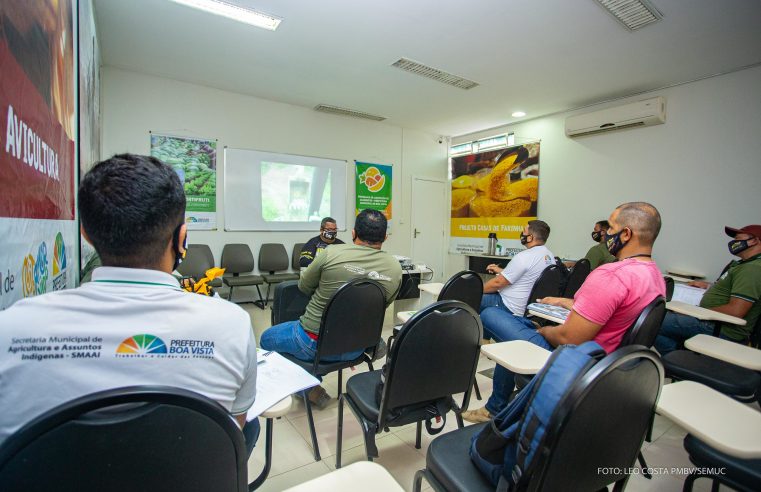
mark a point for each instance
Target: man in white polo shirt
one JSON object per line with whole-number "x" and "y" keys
{"x": 504, "y": 304}
{"x": 132, "y": 325}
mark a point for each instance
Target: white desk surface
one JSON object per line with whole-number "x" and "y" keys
{"x": 712, "y": 417}
{"x": 519, "y": 356}
{"x": 685, "y": 273}
{"x": 278, "y": 409}
{"x": 362, "y": 475}
{"x": 718, "y": 348}
{"x": 404, "y": 316}
{"x": 677, "y": 278}
{"x": 432, "y": 288}
{"x": 559, "y": 321}
{"x": 703, "y": 313}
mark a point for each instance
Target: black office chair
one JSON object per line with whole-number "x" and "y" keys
{"x": 608, "y": 409}
{"x": 433, "y": 357}
{"x": 465, "y": 286}
{"x": 576, "y": 277}
{"x": 158, "y": 438}
{"x": 352, "y": 320}
{"x": 549, "y": 284}
{"x": 645, "y": 328}
{"x": 295, "y": 255}
{"x": 739, "y": 474}
{"x": 669, "y": 287}
{"x": 288, "y": 303}
{"x": 273, "y": 259}
{"x": 237, "y": 259}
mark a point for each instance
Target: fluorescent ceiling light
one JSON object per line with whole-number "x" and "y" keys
{"x": 519, "y": 114}
{"x": 233, "y": 12}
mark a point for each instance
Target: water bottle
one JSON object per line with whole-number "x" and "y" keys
{"x": 491, "y": 244}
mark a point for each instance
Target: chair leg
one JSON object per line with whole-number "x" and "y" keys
{"x": 418, "y": 433}
{"x": 370, "y": 366}
{"x": 230, "y": 294}
{"x": 311, "y": 427}
{"x": 267, "y": 457}
{"x": 418, "y": 482}
{"x": 262, "y": 302}
{"x": 715, "y": 486}
{"x": 370, "y": 446}
{"x": 689, "y": 481}
{"x": 643, "y": 464}
{"x": 477, "y": 389}
{"x": 339, "y": 433}
{"x": 340, "y": 383}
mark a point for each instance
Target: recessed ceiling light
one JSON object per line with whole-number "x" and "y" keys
{"x": 233, "y": 12}
{"x": 519, "y": 114}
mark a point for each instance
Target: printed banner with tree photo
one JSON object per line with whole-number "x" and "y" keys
{"x": 195, "y": 161}
{"x": 493, "y": 192}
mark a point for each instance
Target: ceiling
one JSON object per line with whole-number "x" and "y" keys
{"x": 538, "y": 56}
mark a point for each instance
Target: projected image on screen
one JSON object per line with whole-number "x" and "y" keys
{"x": 294, "y": 193}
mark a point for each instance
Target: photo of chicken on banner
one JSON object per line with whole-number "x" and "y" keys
{"x": 202, "y": 286}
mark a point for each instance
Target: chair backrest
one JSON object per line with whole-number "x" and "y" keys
{"x": 576, "y": 277}
{"x": 547, "y": 285}
{"x": 237, "y": 258}
{"x": 289, "y": 303}
{"x": 645, "y": 328}
{"x": 755, "y": 335}
{"x": 160, "y": 438}
{"x": 352, "y": 320}
{"x": 601, "y": 423}
{"x": 295, "y": 255}
{"x": 669, "y": 287}
{"x": 466, "y": 286}
{"x": 196, "y": 261}
{"x": 434, "y": 356}
{"x": 273, "y": 258}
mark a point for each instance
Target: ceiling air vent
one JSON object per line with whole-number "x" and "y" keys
{"x": 434, "y": 73}
{"x": 324, "y": 108}
{"x": 634, "y": 14}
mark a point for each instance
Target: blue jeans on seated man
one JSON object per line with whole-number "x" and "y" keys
{"x": 251, "y": 434}
{"x": 676, "y": 328}
{"x": 290, "y": 338}
{"x": 503, "y": 326}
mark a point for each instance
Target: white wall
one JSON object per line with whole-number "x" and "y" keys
{"x": 134, "y": 104}
{"x": 702, "y": 169}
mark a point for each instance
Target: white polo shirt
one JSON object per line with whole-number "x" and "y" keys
{"x": 127, "y": 327}
{"x": 522, "y": 272}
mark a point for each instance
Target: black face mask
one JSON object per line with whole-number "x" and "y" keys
{"x": 738, "y": 245}
{"x": 524, "y": 238}
{"x": 597, "y": 236}
{"x": 614, "y": 243}
{"x": 178, "y": 257}
{"x": 329, "y": 235}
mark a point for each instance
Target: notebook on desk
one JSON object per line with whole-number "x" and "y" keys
{"x": 688, "y": 294}
{"x": 549, "y": 310}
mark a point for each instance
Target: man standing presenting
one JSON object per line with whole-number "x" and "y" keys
{"x": 737, "y": 292}
{"x": 331, "y": 269}
{"x": 313, "y": 247}
{"x": 132, "y": 324}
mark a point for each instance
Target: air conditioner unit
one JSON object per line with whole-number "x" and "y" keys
{"x": 641, "y": 113}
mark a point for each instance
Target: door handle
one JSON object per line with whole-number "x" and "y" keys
{"x": 415, "y": 233}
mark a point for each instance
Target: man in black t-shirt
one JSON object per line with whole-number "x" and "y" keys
{"x": 328, "y": 233}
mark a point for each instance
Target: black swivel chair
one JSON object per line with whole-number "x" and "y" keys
{"x": 433, "y": 357}
{"x": 237, "y": 259}
{"x": 608, "y": 409}
{"x": 273, "y": 259}
{"x": 576, "y": 277}
{"x": 159, "y": 438}
{"x": 352, "y": 320}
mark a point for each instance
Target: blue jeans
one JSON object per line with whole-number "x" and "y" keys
{"x": 290, "y": 338}
{"x": 251, "y": 433}
{"x": 504, "y": 326}
{"x": 676, "y": 328}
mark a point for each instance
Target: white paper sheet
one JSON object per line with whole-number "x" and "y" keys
{"x": 276, "y": 378}
{"x": 688, "y": 294}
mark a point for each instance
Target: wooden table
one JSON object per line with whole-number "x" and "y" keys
{"x": 718, "y": 348}
{"x": 362, "y": 475}
{"x": 714, "y": 418}
{"x": 703, "y": 313}
{"x": 519, "y": 356}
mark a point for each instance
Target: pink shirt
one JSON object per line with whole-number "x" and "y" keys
{"x": 614, "y": 295}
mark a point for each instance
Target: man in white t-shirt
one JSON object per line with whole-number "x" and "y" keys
{"x": 132, "y": 324}
{"x": 504, "y": 303}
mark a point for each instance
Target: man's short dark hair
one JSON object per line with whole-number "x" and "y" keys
{"x": 604, "y": 224}
{"x": 642, "y": 218}
{"x": 371, "y": 226}
{"x": 326, "y": 220}
{"x": 540, "y": 230}
{"x": 130, "y": 205}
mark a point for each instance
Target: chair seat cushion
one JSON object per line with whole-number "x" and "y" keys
{"x": 745, "y": 472}
{"x": 243, "y": 280}
{"x": 274, "y": 278}
{"x": 325, "y": 367}
{"x": 722, "y": 376}
{"x": 361, "y": 388}
{"x": 448, "y": 460}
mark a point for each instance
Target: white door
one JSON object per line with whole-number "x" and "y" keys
{"x": 430, "y": 211}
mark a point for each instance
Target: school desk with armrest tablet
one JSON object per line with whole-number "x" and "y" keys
{"x": 704, "y": 314}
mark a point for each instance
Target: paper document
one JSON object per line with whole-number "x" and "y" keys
{"x": 549, "y": 310}
{"x": 276, "y": 378}
{"x": 688, "y": 294}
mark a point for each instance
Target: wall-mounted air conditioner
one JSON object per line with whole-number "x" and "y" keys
{"x": 641, "y": 113}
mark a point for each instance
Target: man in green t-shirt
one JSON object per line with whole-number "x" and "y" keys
{"x": 736, "y": 292}
{"x": 331, "y": 269}
{"x": 597, "y": 254}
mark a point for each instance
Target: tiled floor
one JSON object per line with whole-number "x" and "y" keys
{"x": 293, "y": 462}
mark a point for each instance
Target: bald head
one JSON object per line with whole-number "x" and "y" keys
{"x": 643, "y": 219}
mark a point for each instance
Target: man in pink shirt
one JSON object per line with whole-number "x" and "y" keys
{"x": 612, "y": 296}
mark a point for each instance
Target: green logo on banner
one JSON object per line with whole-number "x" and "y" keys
{"x": 374, "y": 187}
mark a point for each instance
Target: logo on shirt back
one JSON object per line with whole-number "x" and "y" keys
{"x": 151, "y": 346}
